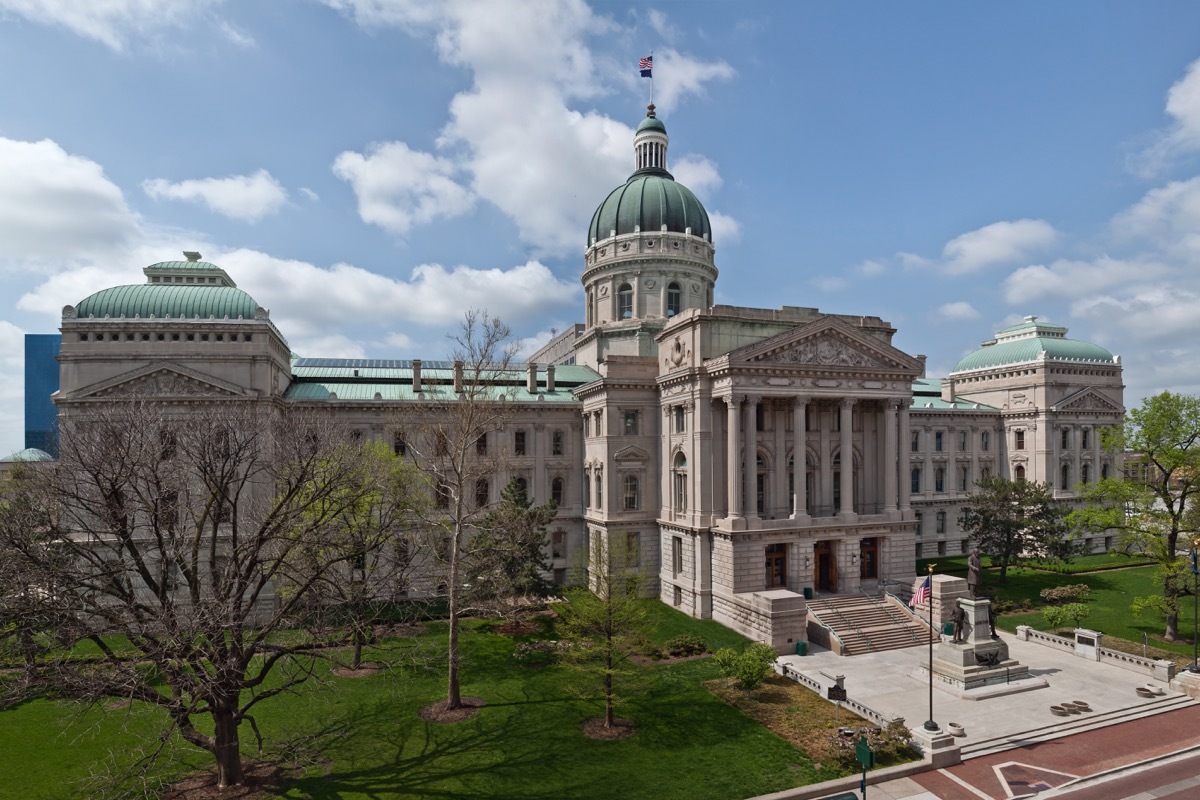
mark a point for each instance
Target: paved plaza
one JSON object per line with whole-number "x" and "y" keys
{"x": 1005, "y": 734}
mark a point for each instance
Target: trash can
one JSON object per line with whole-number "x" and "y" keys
{"x": 801, "y": 648}
{"x": 808, "y": 593}
{"x": 948, "y": 628}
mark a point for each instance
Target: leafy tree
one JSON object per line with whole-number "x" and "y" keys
{"x": 1016, "y": 521}
{"x": 750, "y": 667}
{"x": 1155, "y": 508}
{"x": 447, "y": 436}
{"x": 1069, "y": 615}
{"x": 508, "y": 561}
{"x": 608, "y": 625}
{"x": 161, "y": 540}
{"x": 370, "y": 539}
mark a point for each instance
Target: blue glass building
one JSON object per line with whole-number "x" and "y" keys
{"x": 41, "y": 381}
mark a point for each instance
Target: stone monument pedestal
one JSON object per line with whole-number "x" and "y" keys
{"x": 978, "y": 666}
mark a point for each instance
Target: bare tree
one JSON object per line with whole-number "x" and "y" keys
{"x": 452, "y": 435}
{"x": 372, "y": 542}
{"x": 161, "y": 539}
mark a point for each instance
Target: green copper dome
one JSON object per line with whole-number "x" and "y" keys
{"x": 1032, "y": 341}
{"x": 649, "y": 200}
{"x": 652, "y": 124}
{"x": 174, "y": 290}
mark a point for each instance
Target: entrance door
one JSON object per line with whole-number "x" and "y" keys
{"x": 868, "y": 558}
{"x": 826, "y": 567}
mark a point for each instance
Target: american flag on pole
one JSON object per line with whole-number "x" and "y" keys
{"x": 646, "y": 65}
{"x": 921, "y": 594}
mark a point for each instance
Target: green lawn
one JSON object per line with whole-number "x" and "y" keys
{"x": 363, "y": 738}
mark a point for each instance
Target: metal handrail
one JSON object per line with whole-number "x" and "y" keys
{"x": 890, "y": 610}
{"x": 849, "y": 624}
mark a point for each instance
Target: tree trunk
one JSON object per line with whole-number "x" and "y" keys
{"x": 453, "y": 694}
{"x": 227, "y": 749}
{"x": 358, "y": 647}
{"x": 1172, "y": 632}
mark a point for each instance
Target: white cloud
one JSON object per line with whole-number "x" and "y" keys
{"x": 515, "y": 135}
{"x": 55, "y": 206}
{"x": 113, "y": 23}
{"x": 957, "y": 311}
{"x": 999, "y": 243}
{"x": 236, "y": 35}
{"x": 1149, "y": 313}
{"x": 72, "y": 285}
{"x": 871, "y": 268}
{"x": 245, "y": 197}
{"x": 306, "y": 299}
{"x": 309, "y": 193}
{"x": 1182, "y": 136}
{"x": 829, "y": 283}
{"x": 1167, "y": 216}
{"x": 1065, "y": 279}
{"x": 660, "y": 24}
{"x": 725, "y": 229}
{"x": 697, "y": 173}
{"x": 329, "y": 345}
{"x": 398, "y": 187}
{"x": 677, "y": 76}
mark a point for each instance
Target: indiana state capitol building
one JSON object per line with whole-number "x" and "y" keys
{"x": 751, "y": 456}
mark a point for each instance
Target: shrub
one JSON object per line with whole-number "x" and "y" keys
{"x": 1067, "y": 593}
{"x": 1069, "y": 615}
{"x": 750, "y": 667}
{"x": 538, "y": 653}
{"x": 890, "y": 743}
{"x": 686, "y": 645}
{"x": 1005, "y": 605}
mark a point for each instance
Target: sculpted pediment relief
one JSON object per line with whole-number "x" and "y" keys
{"x": 829, "y": 343}
{"x": 1089, "y": 400}
{"x": 163, "y": 381}
{"x": 631, "y": 453}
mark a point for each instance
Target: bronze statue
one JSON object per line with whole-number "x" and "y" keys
{"x": 974, "y": 573}
{"x": 992, "y": 621}
{"x": 959, "y": 618}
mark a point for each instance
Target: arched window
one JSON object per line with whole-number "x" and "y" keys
{"x": 1104, "y": 472}
{"x": 915, "y": 480}
{"x": 679, "y": 482}
{"x": 631, "y": 497}
{"x": 760, "y": 484}
{"x": 1066, "y": 477}
{"x": 674, "y": 299}
{"x": 599, "y": 489}
{"x": 1085, "y": 473}
{"x": 524, "y": 486}
{"x": 625, "y": 301}
{"x": 557, "y": 487}
{"x": 1019, "y": 473}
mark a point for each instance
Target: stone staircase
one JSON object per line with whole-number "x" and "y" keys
{"x": 867, "y": 624}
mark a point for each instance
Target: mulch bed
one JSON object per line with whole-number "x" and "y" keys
{"x": 364, "y": 671}
{"x": 262, "y": 781}
{"x": 647, "y": 661}
{"x": 439, "y": 713}
{"x": 594, "y": 728}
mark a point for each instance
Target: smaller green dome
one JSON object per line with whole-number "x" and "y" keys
{"x": 1032, "y": 341}
{"x": 652, "y": 124}
{"x": 28, "y": 454}
{"x": 168, "y": 302}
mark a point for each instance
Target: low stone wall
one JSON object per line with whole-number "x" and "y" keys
{"x": 863, "y": 710}
{"x": 776, "y": 617}
{"x": 1089, "y": 647}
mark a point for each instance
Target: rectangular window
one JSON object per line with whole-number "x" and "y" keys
{"x": 1019, "y": 440}
{"x": 519, "y": 443}
{"x": 916, "y": 441}
{"x": 962, "y": 441}
{"x": 481, "y": 444}
{"x": 678, "y": 596}
{"x": 964, "y": 478}
{"x": 776, "y": 565}
{"x": 915, "y": 486}
{"x": 440, "y": 443}
{"x": 919, "y": 519}
{"x": 676, "y": 555}
{"x": 558, "y": 544}
{"x": 1086, "y": 443}
{"x": 481, "y": 492}
{"x": 631, "y": 500}
{"x": 939, "y": 480}
{"x": 937, "y": 441}
{"x": 1066, "y": 438}
{"x": 631, "y": 423}
{"x": 759, "y": 417}
{"x": 680, "y": 421}
{"x": 985, "y": 441}
{"x": 399, "y": 446}
{"x": 556, "y": 443}
{"x": 941, "y": 522}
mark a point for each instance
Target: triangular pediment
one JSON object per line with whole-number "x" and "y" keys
{"x": 161, "y": 380}
{"x": 631, "y": 453}
{"x": 1088, "y": 399}
{"x": 826, "y": 343}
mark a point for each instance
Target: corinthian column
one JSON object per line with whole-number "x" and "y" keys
{"x": 904, "y": 493}
{"x": 750, "y": 455}
{"x": 733, "y": 472}
{"x": 890, "y": 456}
{"x": 799, "y": 459}
{"x": 847, "y": 449}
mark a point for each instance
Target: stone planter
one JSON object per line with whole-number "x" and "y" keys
{"x": 956, "y": 729}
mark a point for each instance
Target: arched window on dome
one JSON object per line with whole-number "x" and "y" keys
{"x": 674, "y": 299}
{"x": 625, "y": 301}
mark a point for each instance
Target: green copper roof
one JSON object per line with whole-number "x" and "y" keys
{"x": 651, "y": 124}
{"x": 168, "y": 301}
{"x": 28, "y": 454}
{"x": 927, "y": 393}
{"x": 649, "y": 200}
{"x": 1033, "y": 348}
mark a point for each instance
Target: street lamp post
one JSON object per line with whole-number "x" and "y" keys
{"x": 1195, "y": 608}
{"x": 930, "y": 725}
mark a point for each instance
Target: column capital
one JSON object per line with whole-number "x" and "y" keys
{"x": 754, "y": 398}
{"x": 848, "y": 402}
{"x": 800, "y": 400}
{"x": 733, "y": 400}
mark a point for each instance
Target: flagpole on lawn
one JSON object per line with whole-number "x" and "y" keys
{"x": 930, "y": 725}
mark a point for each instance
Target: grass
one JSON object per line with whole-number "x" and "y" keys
{"x": 363, "y": 737}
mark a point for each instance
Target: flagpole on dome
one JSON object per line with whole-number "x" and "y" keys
{"x": 646, "y": 67}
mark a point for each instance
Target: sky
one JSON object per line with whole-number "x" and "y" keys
{"x": 370, "y": 169}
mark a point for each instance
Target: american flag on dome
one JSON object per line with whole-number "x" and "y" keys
{"x": 921, "y": 594}
{"x": 646, "y": 65}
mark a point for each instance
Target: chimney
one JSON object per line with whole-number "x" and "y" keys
{"x": 458, "y": 377}
{"x": 531, "y": 379}
{"x": 549, "y": 377}
{"x": 416, "y": 376}
{"x": 921, "y": 357}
